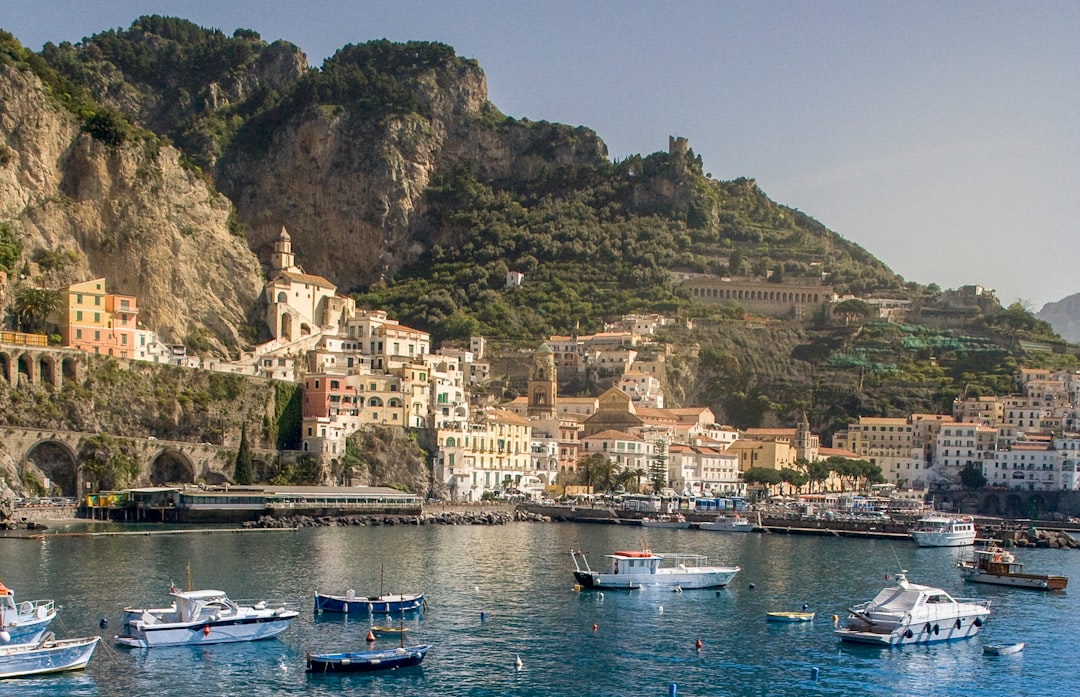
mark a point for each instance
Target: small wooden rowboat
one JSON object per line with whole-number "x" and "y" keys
{"x": 789, "y": 616}
{"x": 364, "y": 661}
{"x": 1003, "y": 649}
{"x": 386, "y": 629}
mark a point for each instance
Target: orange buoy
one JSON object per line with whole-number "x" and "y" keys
{"x": 370, "y": 635}
{"x": 595, "y": 627}
{"x": 206, "y": 630}
{"x": 697, "y": 644}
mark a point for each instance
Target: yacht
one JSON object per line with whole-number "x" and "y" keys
{"x": 908, "y": 613}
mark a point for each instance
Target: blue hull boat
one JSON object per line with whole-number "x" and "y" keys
{"x": 49, "y": 656}
{"x": 379, "y": 604}
{"x": 365, "y": 661}
{"x": 25, "y": 622}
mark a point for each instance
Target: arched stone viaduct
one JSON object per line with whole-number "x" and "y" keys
{"x": 56, "y": 455}
{"x": 40, "y": 365}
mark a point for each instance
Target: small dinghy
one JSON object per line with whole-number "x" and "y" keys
{"x": 789, "y": 616}
{"x": 1003, "y": 649}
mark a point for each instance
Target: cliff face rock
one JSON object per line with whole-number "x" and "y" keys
{"x": 1064, "y": 317}
{"x": 129, "y": 213}
{"x": 350, "y": 188}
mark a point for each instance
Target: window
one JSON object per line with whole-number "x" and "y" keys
{"x": 78, "y": 315}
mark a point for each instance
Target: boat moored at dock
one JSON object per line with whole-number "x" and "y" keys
{"x": 944, "y": 531}
{"x": 378, "y": 604}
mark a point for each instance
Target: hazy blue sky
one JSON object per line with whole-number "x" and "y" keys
{"x": 943, "y": 137}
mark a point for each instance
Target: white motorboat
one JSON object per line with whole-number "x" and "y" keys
{"x": 632, "y": 570}
{"x": 25, "y": 622}
{"x": 996, "y": 565}
{"x": 908, "y": 613}
{"x": 944, "y": 531}
{"x": 735, "y": 523}
{"x": 201, "y": 617}
{"x": 47, "y": 656}
{"x": 677, "y": 521}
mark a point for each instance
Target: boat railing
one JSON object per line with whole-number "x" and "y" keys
{"x": 39, "y": 608}
{"x": 981, "y": 602}
{"x": 575, "y": 553}
{"x": 684, "y": 559}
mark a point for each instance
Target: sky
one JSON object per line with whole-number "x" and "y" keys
{"x": 942, "y": 137}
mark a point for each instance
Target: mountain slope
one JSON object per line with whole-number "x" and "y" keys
{"x": 398, "y": 179}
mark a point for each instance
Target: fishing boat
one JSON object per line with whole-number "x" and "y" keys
{"x": 48, "y": 656}
{"x": 386, "y": 659}
{"x": 1003, "y": 649}
{"x": 201, "y": 617}
{"x": 735, "y": 523}
{"x": 944, "y": 531}
{"x": 908, "y": 613}
{"x": 383, "y": 629}
{"x": 633, "y": 570}
{"x": 25, "y": 622}
{"x": 994, "y": 564}
{"x": 375, "y": 604}
{"x": 676, "y": 521}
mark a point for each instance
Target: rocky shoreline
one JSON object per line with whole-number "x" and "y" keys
{"x": 459, "y": 517}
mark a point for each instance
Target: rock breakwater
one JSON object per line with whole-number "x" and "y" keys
{"x": 484, "y": 517}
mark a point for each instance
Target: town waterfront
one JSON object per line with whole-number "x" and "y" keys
{"x": 498, "y": 592}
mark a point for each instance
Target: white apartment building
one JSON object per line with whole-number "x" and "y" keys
{"x": 961, "y": 444}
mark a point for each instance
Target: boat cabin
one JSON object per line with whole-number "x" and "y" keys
{"x": 634, "y": 562}
{"x": 193, "y": 606}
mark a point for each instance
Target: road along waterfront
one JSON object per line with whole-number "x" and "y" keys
{"x": 505, "y": 591}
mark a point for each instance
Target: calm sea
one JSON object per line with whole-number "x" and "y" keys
{"x": 496, "y": 593}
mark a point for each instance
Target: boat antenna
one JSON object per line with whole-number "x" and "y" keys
{"x": 401, "y": 634}
{"x": 189, "y": 577}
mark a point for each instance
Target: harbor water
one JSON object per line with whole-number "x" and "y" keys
{"x": 496, "y": 594}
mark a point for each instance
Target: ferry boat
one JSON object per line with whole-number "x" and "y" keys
{"x": 996, "y": 565}
{"x": 634, "y": 570}
{"x": 201, "y": 617}
{"x": 944, "y": 531}
{"x": 908, "y": 613}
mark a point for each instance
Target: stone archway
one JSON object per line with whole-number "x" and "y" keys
{"x": 56, "y": 461}
{"x": 5, "y": 367}
{"x": 25, "y": 366}
{"x": 69, "y": 370}
{"x": 171, "y": 467}
{"x": 47, "y": 371}
{"x": 216, "y": 479}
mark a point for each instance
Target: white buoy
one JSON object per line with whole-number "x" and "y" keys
{"x": 660, "y": 609}
{"x": 476, "y": 588}
{"x": 518, "y": 662}
{"x": 4, "y": 636}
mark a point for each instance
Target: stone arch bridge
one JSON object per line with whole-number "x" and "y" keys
{"x": 56, "y": 454}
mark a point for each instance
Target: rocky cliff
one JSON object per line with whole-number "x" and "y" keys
{"x": 130, "y": 213}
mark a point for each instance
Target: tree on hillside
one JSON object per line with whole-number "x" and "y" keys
{"x": 243, "y": 472}
{"x": 765, "y": 477}
{"x": 33, "y": 307}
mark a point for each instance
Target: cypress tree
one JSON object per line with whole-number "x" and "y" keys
{"x": 242, "y": 474}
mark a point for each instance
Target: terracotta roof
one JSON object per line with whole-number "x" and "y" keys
{"x": 838, "y": 452}
{"x": 309, "y": 279}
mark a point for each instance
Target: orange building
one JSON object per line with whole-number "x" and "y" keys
{"x": 98, "y": 322}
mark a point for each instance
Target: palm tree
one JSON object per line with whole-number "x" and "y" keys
{"x": 33, "y": 306}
